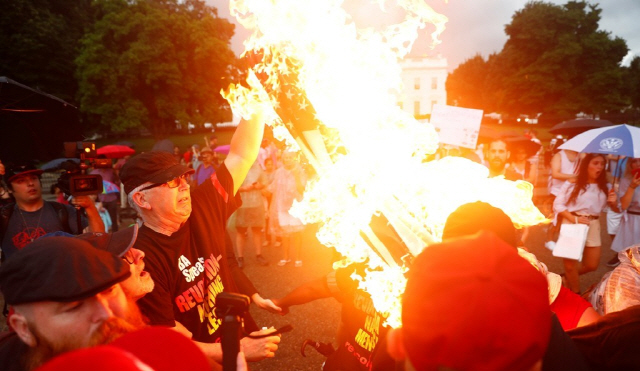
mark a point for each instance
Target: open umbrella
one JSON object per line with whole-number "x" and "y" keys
{"x": 115, "y": 151}
{"x": 54, "y": 165}
{"x": 615, "y": 140}
{"x": 530, "y": 147}
{"x": 224, "y": 149}
{"x": 576, "y": 126}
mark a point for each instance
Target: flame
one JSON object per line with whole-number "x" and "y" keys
{"x": 329, "y": 89}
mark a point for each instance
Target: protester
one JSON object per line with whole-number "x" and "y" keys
{"x": 571, "y": 310}
{"x": 152, "y": 348}
{"x": 109, "y": 200}
{"x": 288, "y": 185}
{"x": 183, "y": 236}
{"x": 497, "y": 156}
{"x": 564, "y": 165}
{"x": 65, "y": 295}
{"x": 628, "y": 201}
{"x": 449, "y": 322}
{"x": 611, "y": 343}
{"x": 269, "y": 173}
{"x": 620, "y": 288}
{"x": 361, "y": 336}
{"x": 582, "y": 202}
{"x": 5, "y": 195}
{"x": 522, "y": 164}
{"x": 206, "y": 169}
{"x": 121, "y": 244}
{"x": 31, "y": 217}
{"x": 251, "y": 214}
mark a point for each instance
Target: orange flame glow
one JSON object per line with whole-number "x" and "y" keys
{"x": 352, "y": 77}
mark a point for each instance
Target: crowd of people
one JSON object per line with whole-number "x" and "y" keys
{"x": 79, "y": 292}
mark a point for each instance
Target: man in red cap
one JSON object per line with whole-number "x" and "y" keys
{"x": 31, "y": 217}
{"x": 467, "y": 308}
{"x": 184, "y": 238}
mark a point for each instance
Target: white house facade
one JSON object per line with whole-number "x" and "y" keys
{"x": 423, "y": 84}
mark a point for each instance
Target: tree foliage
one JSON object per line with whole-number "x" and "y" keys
{"x": 156, "y": 64}
{"x": 39, "y": 41}
{"x": 555, "y": 60}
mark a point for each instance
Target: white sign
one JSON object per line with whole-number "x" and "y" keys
{"x": 456, "y": 125}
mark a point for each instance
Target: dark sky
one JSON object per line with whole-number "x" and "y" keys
{"x": 477, "y": 26}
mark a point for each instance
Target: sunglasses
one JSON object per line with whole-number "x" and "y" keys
{"x": 173, "y": 183}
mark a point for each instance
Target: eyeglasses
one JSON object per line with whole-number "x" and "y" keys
{"x": 173, "y": 183}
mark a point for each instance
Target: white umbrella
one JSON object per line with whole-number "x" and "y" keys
{"x": 621, "y": 140}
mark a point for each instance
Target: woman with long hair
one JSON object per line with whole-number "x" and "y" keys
{"x": 581, "y": 203}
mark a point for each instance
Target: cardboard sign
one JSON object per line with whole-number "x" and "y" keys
{"x": 456, "y": 125}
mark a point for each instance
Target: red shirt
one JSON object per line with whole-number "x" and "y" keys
{"x": 569, "y": 308}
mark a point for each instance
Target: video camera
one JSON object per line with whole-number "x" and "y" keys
{"x": 75, "y": 181}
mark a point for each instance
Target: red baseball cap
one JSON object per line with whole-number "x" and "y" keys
{"x": 473, "y": 304}
{"x": 152, "y": 348}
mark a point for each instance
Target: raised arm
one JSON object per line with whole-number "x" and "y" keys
{"x": 245, "y": 145}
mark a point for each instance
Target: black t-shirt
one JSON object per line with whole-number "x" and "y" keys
{"x": 193, "y": 265}
{"x": 612, "y": 342}
{"x": 27, "y": 226}
{"x": 12, "y": 352}
{"x": 361, "y": 337}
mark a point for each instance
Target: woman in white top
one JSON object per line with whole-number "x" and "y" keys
{"x": 629, "y": 231}
{"x": 582, "y": 202}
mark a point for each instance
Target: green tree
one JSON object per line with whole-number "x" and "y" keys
{"x": 156, "y": 64}
{"x": 555, "y": 61}
{"x": 465, "y": 85}
{"x": 39, "y": 40}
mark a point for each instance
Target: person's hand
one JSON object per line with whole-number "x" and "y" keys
{"x": 241, "y": 362}
{"x": 283, "y": 310}
{"x": 584, "y": 220}
{"x": 612, "y": 198}
{"x": 83, "y": 201}
{"x": 635, "y": 182}
{"x": 259, "y": 349}
{"x": 266, "y": 304}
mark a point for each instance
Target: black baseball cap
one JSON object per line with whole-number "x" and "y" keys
{"x": 14, "y": 171}
{"x": 117, "y": 243}
{"x": 61, "y": 269}
{"x": 155, "y": 167}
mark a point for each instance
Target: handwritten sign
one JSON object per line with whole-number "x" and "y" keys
{"x": 456, "y": 125}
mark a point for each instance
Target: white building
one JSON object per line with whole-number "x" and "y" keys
{"x": 423, "y": 79}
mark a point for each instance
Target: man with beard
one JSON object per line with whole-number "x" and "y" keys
{"x": 497, "y": 156}
{"x": 65, "y": 295}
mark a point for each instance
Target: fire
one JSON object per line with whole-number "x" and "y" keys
{"x": 329, "y": 89}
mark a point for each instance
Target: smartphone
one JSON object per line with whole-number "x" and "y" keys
{"x": 635, "y": 172}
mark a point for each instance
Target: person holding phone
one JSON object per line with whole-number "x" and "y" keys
{"x": 628, "y": 201}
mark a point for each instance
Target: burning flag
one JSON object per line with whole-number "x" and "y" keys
{"x": 329, "y": 89}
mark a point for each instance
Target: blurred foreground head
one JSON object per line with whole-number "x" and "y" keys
{"x": 473, "y": 304}
{"x": 479, "y": 216}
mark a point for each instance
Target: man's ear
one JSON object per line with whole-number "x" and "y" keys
{"x": 395, "y": 344}
{"x": 141, "y": 200}
{"x": 18, "y": 323}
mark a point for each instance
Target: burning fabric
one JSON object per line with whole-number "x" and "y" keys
{"x": 329, "y": 89}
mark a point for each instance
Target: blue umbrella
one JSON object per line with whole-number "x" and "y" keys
{"x": 54, "y": 165}
{"x": 622, "y": 140}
